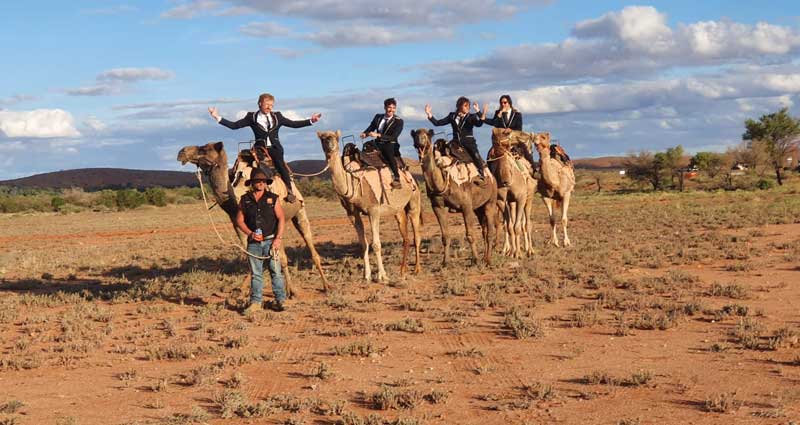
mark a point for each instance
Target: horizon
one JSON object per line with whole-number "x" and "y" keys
{"x": 132, "y": 84}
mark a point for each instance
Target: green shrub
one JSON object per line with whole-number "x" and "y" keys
{"x": 129, "y": 199}
{"x": 156, "y": 196}
{"x": 57, "y": 203}
{"x": 764, "y": 184}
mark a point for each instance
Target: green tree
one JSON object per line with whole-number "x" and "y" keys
{"x": 645, "y": 167}
{"x": 778, "y": 132}
{"x": 711, "y": 163}
{"x": 156, "y": 196}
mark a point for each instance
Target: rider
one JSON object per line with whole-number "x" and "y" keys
{"x": 386, "y": 128}
{"x": 265, "y": 125}
{"x": 508, "y": 117}
{"x": 462, "y": 123}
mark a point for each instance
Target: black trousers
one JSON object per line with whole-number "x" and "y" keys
{"x": 276, "y": 153}
{"x": 469, "y": 144}
{"x": 389, "y": 151}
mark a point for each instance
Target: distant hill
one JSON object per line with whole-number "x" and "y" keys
{"x": 602, "y": 163}
{"x": 118, "y": 178}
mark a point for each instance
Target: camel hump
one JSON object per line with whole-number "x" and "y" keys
{"x": 452, "y": 150}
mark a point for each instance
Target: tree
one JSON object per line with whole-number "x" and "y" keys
{"x": 711, "y": 163}
{"x": 778, "y": 132}
{"x": 645, "y": 167}
{"x": 672, "y": 161}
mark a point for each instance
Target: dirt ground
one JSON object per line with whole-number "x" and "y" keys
{"x": 669, "y": 309}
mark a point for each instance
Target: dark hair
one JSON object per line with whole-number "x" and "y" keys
{"x": 508, "y": 98}
{"x": 461, "y": 100}
{"x": 389, "y": 101}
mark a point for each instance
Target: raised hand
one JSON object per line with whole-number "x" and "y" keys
{"x": 316, "y": 117}
{"x": 213, "y": 111}
{"x": 428, "y": 110}
{"x": 476, "y": 107}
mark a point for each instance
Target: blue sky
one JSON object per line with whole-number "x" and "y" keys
{"x": 115, "y": 84}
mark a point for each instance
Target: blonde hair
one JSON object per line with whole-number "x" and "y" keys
{"x": 265, "y": 96}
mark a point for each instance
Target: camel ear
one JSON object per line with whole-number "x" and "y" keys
{"x": 319, "y": 134}
{"x": 218, "y": 146}
{"x": 338, "y": 134}
{"x": 430, "y": 133}
{"x": 413, "y": 133}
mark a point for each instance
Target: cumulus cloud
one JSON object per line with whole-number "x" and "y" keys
{"x": 189, "y": 10}
{"x": 38, "y": 123}
{"x": 635, "y": 42}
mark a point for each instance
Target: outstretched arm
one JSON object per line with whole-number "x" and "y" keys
{"x": 233, "y": 125}
{"x": 291, "y": 123}
{"x": 434, "y": 121}
{"x": 494, "y": 121}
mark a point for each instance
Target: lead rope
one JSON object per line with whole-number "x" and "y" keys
{"x": 213, "y": 226}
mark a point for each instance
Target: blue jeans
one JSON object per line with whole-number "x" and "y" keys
{"x": 257, "y": 269}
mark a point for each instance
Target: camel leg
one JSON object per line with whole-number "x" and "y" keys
{"x": 287, "y": 279}
{"x": 519, "y": 227}
{"x": 564, "y": 220}
{"x": 402, "y": 224}
{"x": 469, "y": 219}
{"x": 415, "y": 211}
{"x": 490, "y": 212}
{"x": 548, "y": 202}
{"x": 441, "y": 217}
{"x": 375, "y": 225}
{"x": 503, "y": 207}
{"x": 303, "y": 227}
{"x": 362, "y": 239}
{"x": 528, "y": 226}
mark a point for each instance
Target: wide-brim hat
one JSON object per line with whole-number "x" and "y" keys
{"x": 258, "y": 174}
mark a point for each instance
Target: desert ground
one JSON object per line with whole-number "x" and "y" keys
{"x": 669, "y": 308}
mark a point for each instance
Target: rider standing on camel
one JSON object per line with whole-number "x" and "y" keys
{"x": 265, "y": 125}
{"x": 386, "y": 128}
{"x": 462, "y": 123}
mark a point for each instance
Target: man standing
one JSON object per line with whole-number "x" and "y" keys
{"x": 386, "y": 128}
{"x": 265, "y": 125}
{"x": 462, "y": 123}
{"x": 260, "y": 217}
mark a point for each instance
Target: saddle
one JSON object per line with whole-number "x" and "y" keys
{"x": 369, "y": 156}
{"x": 453, "y": 149}
{"x": 260, "y": 159}
{"x": 557, "y": 152}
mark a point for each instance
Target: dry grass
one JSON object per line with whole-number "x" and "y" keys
{"x": 143, "y": 306}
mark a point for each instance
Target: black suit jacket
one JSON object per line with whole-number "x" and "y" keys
{"x": 460, "y": 131}
{"x": 514, "y": 122}
{"x": 259, "y": 132}
{"x": 391, "y": 131}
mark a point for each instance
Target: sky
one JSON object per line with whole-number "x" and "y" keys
{"x": 127, "y": 84}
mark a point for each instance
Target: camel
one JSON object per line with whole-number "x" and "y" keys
{"x": 358, "y": 198}
{"x": 515, "y": 197}
{"x": 556, "y": 184}
{"x": 213, "y": 161}
{"x": 469, "y": 199}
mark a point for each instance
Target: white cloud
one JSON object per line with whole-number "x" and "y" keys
{"x": 264, "y": 29}
{"x": 370, "y": 35}
{"x": 96, "y": 90}
{"x": 94, "y": 124}
{"x": 191, "y": 9}
{"x": 135, "y": 74}
{"x": 641, "y": 28}
{"x": 38, "y": 123}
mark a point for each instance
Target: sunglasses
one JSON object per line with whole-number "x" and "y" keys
{"x": 504, "y": 102}
{"x": 258, "y": 180}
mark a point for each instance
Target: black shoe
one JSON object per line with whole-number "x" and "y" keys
{"x": 396, "y": 184}
{"x": 290, "y": 198}
{"x": 277, "y": 306}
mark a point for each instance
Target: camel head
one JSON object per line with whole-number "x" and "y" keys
{"x": 330, "y": 142}
{"x": 501, "y": 139}
{"x": 422, "y": 140}
{"x": 542, "y": 141}
{"x": 206, "y": 157}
